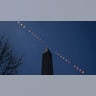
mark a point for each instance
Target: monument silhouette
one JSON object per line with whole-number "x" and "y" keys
{"x": 47, "y": 63}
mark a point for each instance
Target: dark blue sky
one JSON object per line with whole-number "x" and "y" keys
{"x": 75, "y": 40}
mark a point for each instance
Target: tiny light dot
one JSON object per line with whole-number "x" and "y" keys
{"x": 21, "y": 24}
{"x": 58, "y": 54}
{"x": 77, "y": 68}
{"x": 34, "y": 35}
{"x": 66, "y": 60}
{"x": 82, "y": 72}
{"x": 63, "y": 58}
{"x": 24, "y": 26}
{"x": 18, "y": 22}
{"x": 74, "y": 66}
{"x": 29, "y": 30}
{"x": 37, "y": 37}
{"x": 69, "y": 62}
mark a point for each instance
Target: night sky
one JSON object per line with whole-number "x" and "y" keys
{"x": 74, "y": 40}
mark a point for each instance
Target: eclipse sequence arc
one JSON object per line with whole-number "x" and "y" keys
{"x": 45, "y": 45}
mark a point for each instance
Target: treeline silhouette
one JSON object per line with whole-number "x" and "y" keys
{"x": 9, "y": 62}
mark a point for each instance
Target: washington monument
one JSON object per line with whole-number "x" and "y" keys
{"x": 47, "y": 63}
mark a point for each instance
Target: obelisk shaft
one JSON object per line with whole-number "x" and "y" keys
{"x": 47, "y": 64}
